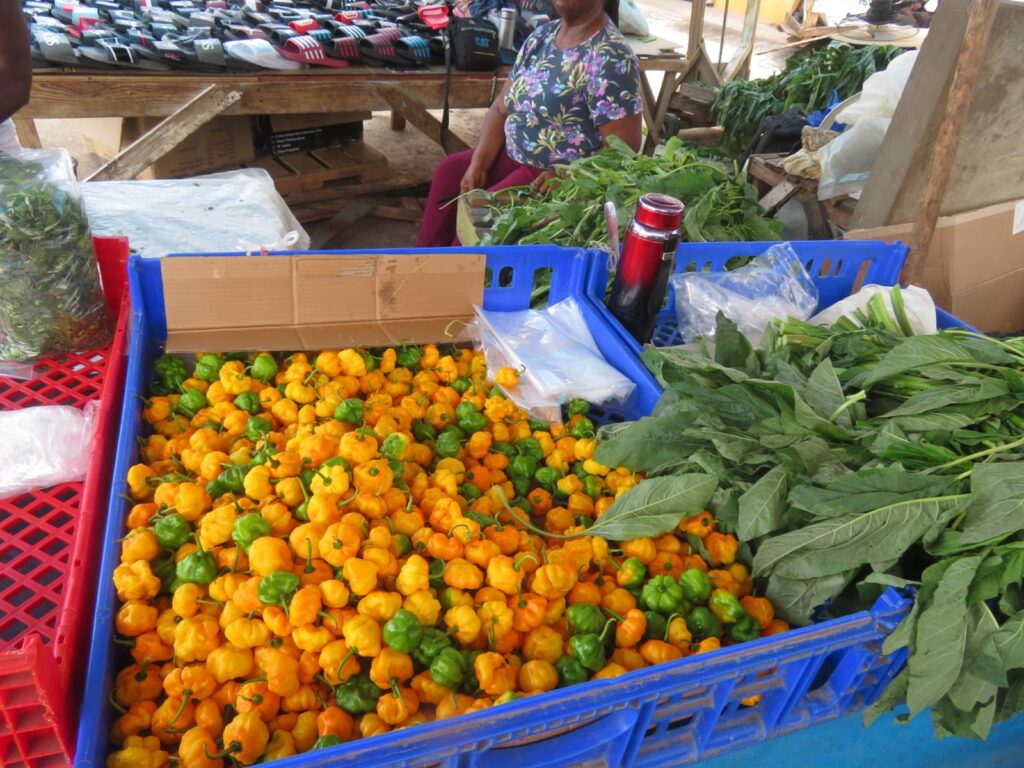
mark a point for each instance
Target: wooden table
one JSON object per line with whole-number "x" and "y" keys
{"x": 768, "y": 174}
{"x": 187, "y": 100}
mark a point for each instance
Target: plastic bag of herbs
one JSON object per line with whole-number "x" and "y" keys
{"x": 51, "y": 301}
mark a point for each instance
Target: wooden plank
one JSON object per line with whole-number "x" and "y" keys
{"x": 940, "y": 160}
{"x": 373, "y": 165}
{"x": 355, "y": 190}
{"x": 395, "y": 213}
{"x": 695, "y": 37}
{"x": 28, "y": 136}
{"x": 271, "y": 166}
{"x": 739, "y": 64}
{"x": 300, "y": 163}
{"x": 416, "y": 113}
{"x": 146, "y": 95}
{"x": 341, "y": 220}
{"x": 168, "y": 134}
{"x": 989, "y": 167}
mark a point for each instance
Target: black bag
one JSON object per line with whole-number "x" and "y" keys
{"x": 778, "y": 134}
{"x": 474, "y": 44}
{"x": 470, "y": 45}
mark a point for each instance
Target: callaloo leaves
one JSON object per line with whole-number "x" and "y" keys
{"x": 721, "y": 206}
{"x": 853, "y": 458}
{"x": 805, "y": 84}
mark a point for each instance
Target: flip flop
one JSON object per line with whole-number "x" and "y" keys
{"x": 304, "y": 26}
{"x": 352, "y": 31}
{"x": 434, "y": 17}
{"x": 380, "y": 48}
{"x": 345, "y": 48}
{"x": 243, "y": 32}
{"x": 56, "y": 48}
{"x": 414, "y": 48}
{"x": 279, "y": 32}
{"x": 118, "y": 54}
{"x": 307, "y": 50}
{"x": 258, "y": 52}
{"x": 322, "y": 36}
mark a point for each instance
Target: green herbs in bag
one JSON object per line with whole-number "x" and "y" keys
{"x": 50, "y": 296}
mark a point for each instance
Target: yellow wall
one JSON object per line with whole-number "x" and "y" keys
{"x": 772, "y": 11}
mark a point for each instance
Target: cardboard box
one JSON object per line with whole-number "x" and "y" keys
{"x": 318, "y": 302}
{"x": 223, "y": 143}
{"x": 975, "y": 268}
{"x": 281, "y": 134}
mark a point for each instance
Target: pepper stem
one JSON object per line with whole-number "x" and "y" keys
{"x": 344, "y": 661}
{"x": 604, "y": 632}
{"x": 186, "y": 696}
{"x": 522, "y": 558}
{"x": 234, "y": 746}
{"x": 530, "y": 526}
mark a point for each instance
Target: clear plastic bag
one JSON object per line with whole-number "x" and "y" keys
{"x": 44, "y": 446}
{"x": 774, "y": 284}
{"x": 234, "y": 211}
{"x": 917, "y": 304}
{"x": 557, "y": 355}
{"x": 51, "y": 301}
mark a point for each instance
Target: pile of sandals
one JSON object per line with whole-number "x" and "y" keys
{"x": 236, "y": 35}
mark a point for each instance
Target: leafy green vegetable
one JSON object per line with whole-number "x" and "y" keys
{"x": 721, "y": 206}
{"x": 655, "y": 506}
{"x": 50, "y": 297}
{"x": 852, "y": 458}
{"x": 804, "y": 84}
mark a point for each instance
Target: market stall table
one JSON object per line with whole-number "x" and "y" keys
{"x": 188, "y": 100}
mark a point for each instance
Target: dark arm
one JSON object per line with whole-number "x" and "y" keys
{"x": 15, "y": 62}
{"x": 490, "y": 143}
{"x": 629, "y": 129}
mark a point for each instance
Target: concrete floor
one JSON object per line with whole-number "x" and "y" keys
{"x": 414, "y": 154}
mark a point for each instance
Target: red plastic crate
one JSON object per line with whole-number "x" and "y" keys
{"x": 49, "y": 549}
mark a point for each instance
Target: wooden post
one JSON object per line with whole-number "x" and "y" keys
{"x": 28, "y": 136}
{"x": 943, "y": 152}
{"x": 168, "y": 133}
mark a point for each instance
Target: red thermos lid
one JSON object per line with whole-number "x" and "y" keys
{"x": 659, "y": 211}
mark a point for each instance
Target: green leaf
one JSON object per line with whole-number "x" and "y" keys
{"x": 982, "y": 673}
{"x": 1009, "y": 641}
{"x": 865, "y": 490}
{"x": 761, "y": 507}
{"x": 732, "y": 348}
{"x": 655, "y": 506}
{"x": 996, "y": 508}
{"x": 981, "y": 390}
{"x": 895, "y": 693}
{"x": 836, "y": 545}
{"x": 941, "y": 637}
{"x": 916, "y": 353}
{"x": 647, "y": 444}
{"x": 795, "y": 599}
{"x": 825, "y": 395}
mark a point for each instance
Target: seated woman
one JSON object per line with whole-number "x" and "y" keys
{"x": 575, "y": 83}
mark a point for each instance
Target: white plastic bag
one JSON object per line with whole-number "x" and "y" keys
{"x": 632, "y": 20}
{"x": 917, "y": 303}
{"x": 234, "y": 211}
{"x": 846, "y": 161}
{"x": 557, "y": 355}
{"x": 44, "y": 446}
{"x": 774, "y": 284}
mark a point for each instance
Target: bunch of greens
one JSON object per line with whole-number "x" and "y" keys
{"x": 859, "y": 458}
{"x": 50, "y": 297}
{"x": 720, "y": 205}
{"x": 804, "y": 84}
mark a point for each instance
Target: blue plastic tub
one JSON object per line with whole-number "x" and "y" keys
{"x": 838, "y": 269}
{"x": 670, "y": 715}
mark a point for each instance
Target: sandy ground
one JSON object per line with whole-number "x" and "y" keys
{"x": 414, "y": 154}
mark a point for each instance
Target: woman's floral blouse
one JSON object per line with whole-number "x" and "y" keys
{"x": 559, "y": 97}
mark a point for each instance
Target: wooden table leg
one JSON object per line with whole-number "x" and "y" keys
{"x": 169, "y": 133}
{"x": 28, "y": 136}
{"x": 412, "y": 109}
{"x": 397, "y": 120}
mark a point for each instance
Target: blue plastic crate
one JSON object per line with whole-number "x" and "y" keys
{"x": 669, "y": 715}
{"x": 837, "y": 267}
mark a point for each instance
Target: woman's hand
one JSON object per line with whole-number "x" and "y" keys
{"x": 475, "y": 178}
{"x": 541, "y": 183}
